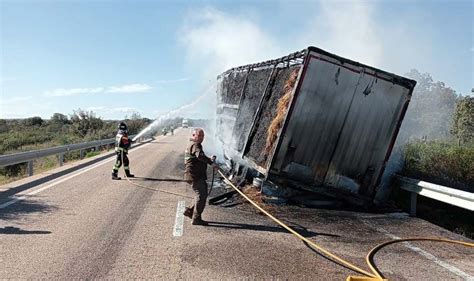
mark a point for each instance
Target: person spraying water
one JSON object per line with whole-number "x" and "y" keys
{"x": 122, "y": 144}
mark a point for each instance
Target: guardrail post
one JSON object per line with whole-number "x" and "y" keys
{"x": 61, "y": 159}
{"x": 82, "y": 153}
{"x": 30, "y": 168}
{"x": 96, "y": 149}
{"x": 413, "y": 197}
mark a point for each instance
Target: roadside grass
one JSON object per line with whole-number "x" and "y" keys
{"x": 45, "y": 164}
{"x": 92, "y": 154}
{"x": 444, "y": 163}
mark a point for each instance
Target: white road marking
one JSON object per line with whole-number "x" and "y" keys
{"x": 13, "y": 201}
{"x": 178, "y": 224}
{"x": 425, "y": 254}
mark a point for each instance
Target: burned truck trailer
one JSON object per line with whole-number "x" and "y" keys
{"x": 312, "y": 117}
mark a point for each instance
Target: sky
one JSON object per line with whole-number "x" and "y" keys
{"x": 117, "y": 58}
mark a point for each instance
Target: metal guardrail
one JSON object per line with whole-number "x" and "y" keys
{"x": 29, "y": 156}
{"x": 455, "y": 197}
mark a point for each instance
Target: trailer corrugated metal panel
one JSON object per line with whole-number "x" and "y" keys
{"x": 255, "y": 150}
{"x": 249, "y": 102}
{"x": 339, "y": 127}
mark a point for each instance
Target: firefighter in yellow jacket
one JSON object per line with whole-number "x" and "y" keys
{"x": 122, "y": 144}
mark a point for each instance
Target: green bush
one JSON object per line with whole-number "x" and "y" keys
{"x": 441, "y": 162}
{"x": 17, "y": 140}
{"x": 73, "y": 155}
{"x": 67, "y": 139}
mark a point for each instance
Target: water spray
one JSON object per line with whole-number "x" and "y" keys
{"x": 174, "y": 113}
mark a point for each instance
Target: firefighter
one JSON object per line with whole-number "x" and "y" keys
{"x": 196, "y": 174}
{"x": 122, "y": 144}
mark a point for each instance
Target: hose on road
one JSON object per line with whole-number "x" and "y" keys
{"x": 375, "y": 274}
{"x": 150, "y": 188}
{"x": 370, "y": 256}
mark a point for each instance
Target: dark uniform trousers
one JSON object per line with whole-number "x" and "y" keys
{"x": 118, "y": 162}
{"x": 200, "y": 198}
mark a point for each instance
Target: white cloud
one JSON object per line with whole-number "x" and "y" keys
{"x": 107, "y": 109}
{"x": 172, "y": 80}
{"x": 114, "y": 113}
{"x": 130, "y": 88}
{"x": 124, "y": 109}
{"x": 73, "y": 92}
{"x": 96, "y": 108}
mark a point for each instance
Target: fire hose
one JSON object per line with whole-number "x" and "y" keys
{"x": 150, "y": 188}
{"x": 165, "y": 191}
{"x": 375, "y": 274}
{"x": 212, "y": 182}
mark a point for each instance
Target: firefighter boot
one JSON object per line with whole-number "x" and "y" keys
{"x": 199, "y": 221}
{"x": 115, "y": 176}
{"x": 129, "y": 175}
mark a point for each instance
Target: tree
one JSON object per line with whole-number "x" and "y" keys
{"x": 3, "y": 126}
{"x": 86, "y": 123}
{"x": 136, "y": 123}
{"x": 33, "y": 121}
{"x": 58, "y": 123}
{"x": 463, "y": 122}
{"x": 59, "y": 118}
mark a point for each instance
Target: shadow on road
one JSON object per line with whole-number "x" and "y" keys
{"x": 24, "y": 207}
{"x": 16, "y": 230}
{"x": 304, "y": 232}
{"x": 156, "y": 179}
{"x": 327, "y": 258}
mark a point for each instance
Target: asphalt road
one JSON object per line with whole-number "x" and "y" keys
{"x": 83, "y": 225}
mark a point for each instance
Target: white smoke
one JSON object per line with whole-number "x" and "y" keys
{"x": 216, "y": 41}
{"x": 346, "y": 29}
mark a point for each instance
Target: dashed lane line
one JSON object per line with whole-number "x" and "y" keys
{"x": 178, "y": 224}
